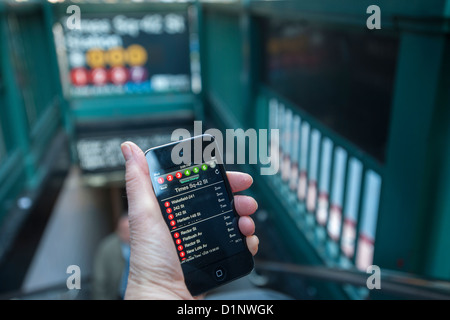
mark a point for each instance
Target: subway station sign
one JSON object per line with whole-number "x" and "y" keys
{"x": 125, "y": 53}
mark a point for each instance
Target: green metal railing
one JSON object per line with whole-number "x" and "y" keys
{"x": 332, "y": 189}
{"x": 336, "y": 184}
{"x": 29, "y": 99}
{"x": 353, "y": 208}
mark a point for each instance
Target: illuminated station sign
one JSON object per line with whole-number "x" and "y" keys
{"x": 127, "y": 53}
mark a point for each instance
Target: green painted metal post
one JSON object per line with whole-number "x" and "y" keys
{"x": 18, "y": 130}
{"x": 436, "y": 212}
{"x": 405, "y": 198}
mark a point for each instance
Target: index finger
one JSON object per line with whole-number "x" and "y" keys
{"x": 239, "y": 181}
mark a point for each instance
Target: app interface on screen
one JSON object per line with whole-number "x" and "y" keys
{"x": 199, "y": 213}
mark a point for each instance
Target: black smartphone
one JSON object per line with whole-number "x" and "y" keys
{"x": 191, "y": 185}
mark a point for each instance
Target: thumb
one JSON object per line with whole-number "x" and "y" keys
{"x": 142, "y": 203}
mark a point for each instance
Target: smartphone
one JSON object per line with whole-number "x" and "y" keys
{"x": 191, "y": 185}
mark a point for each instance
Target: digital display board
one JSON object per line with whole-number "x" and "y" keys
{"x": 98, "y": 144}
{"x": 102, "y": 153}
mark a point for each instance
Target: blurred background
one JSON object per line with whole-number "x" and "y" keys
{"x": 363, "y": 114}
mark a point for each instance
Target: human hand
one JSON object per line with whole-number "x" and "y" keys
{"x": 155, "y": 271}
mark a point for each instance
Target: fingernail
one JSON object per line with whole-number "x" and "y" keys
{"x": 126, "y": 151}
{"x": 251, "y": 179}
{"x": 256, "y": 204}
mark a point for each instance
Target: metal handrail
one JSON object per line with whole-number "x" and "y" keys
{"x": 392, "y": 282}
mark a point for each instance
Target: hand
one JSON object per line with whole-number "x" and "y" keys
{"x": 155, "y": 271}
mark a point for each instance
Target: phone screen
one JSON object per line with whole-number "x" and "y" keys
{"x": 197, "y": 205}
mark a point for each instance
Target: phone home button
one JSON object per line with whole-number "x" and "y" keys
{"x": 219, "y": 273}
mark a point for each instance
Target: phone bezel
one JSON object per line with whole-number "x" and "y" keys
{"x": 233, "y": 267}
